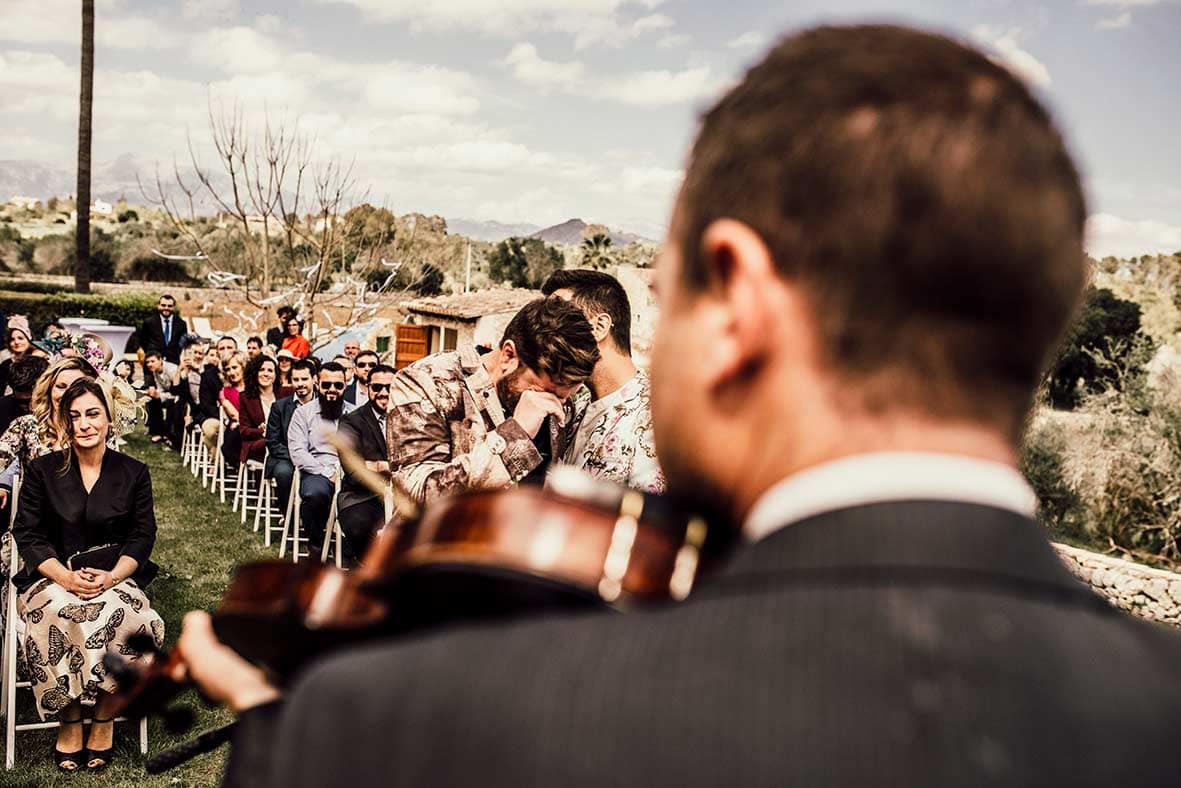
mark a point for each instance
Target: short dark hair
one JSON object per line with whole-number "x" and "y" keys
{"x": 250, "y": 375}
{"x": 169, "y": 296}
{"x": 921, "y": 200}
{"x": 367, "y": 353}
{"x": 153, "y": 353}
{"x": 285, "y": 312}
{"x": 225, "y": 336}
{"x": 552, "y": 337}
{"x": 25, "y": 372}
{"x": 307, "y": 364}
{"x": 255, "y": 340}
{"x": 596, "y": 291}
{"x": 331, "y": 366}
{"x": 382, "y": 369}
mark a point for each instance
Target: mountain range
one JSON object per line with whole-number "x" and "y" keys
{"x": 116, "y": 179}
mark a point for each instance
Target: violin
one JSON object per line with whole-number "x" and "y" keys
{"x": 578, "y": 544}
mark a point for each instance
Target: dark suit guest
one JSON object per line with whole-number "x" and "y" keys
{"x": 359, "y": 510}
{"x": 279, "y": 466}
{"x": 877, "y": 244}
{"x": 355, "y": 391}
{"x": 258, "y": 398}
{"x": 159, "y": 379}
{"x": 163, "y": 331}
{"x": 83, "y": 497}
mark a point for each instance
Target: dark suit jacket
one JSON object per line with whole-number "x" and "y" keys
{"x": 151, "y": 336}
{"x": 902, "y": 644}
{"x": 350, "y": 391}
{"x": 277, "y": 424}
{"x": 57, "y": 518}
{"x": 362, "y": 430}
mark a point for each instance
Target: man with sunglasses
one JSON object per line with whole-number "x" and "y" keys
{"x": 364, "y": 363}
{"x": 359, "y": 510}
{"x": 307, "y": 442}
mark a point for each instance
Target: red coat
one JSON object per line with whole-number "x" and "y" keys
{"x": 252, "y": 425}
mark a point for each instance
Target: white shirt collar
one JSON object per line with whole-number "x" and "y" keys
{"x": 889, "y": 476}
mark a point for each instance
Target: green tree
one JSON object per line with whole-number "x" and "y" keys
{"x": 430, "y": 281}
{"x": 597, "y": 251}
{"x": 1107, "y": 325}
{"x": 523, "y": 262}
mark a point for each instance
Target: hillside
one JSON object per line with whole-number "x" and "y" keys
{"x": 571, "y": 232}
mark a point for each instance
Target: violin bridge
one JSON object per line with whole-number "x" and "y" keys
{"x": 685, "y": 566}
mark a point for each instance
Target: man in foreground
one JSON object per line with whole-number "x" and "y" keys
{"x": 359, "y": 509}
{"x": 307, "y": 442}
{"x": 614, "y": 438}
{"x": 876, "y": 246}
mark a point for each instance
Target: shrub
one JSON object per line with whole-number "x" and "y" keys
{"x": 153, "y": 269}
{"x": 123, "y": 309}
{"x": 128, "y": 216}
{"x": 1060, "y": 509}
{"x": 523, "y": 262}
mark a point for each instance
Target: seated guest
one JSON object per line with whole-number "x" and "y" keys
{"x": 159, "y": 377}
{"x": 295, "y": 341}
{"x": 285, "y": 358}
{"x": 125, "y": 371}
{"x": 613, "y": 440}
{"x": 253, "y": 348}
{"x": 226, "y": 347}
{"x": 233, "y": 371}
{"x": 359, "y": 510}
{"x": 39, "y": 432}
{"x": 458, "y": 420}
{"x": 275, "y": 334}
{"x": 355, "y": 391}
{"x": 21, "y": 380}
{"x": 314, "y": 456}
{"x": 346, "y": 363}
{"x": 279, "y": 466}
{"x": 198, "y": 384}
{"x": 258, "y": 395}
{"x": 82, "y": 497}
{"x": 19, "y": 345}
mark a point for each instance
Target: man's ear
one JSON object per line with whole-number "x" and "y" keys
{"x": 508, "y": 358}
{"x": 746, "y": 299}
{"x": 600, "y": 326}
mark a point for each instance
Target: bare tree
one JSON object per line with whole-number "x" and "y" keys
{"x": 85, "y": 112}
{"x": 285, "y": 232}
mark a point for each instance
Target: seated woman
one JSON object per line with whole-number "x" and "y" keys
{"x": 19, "y": 345}
{"x": 233, "y": 370}
{"x": 295, "y": 341}
{"x": 38, "y": 432}
{"x": 84, "y": 496}
{"x": 259, "y": 394}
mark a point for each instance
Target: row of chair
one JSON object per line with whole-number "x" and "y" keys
{"x": 253, "y": 495}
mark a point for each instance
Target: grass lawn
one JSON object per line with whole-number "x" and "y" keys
{"x": 199, "y": 542}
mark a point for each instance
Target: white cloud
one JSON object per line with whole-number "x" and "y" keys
{"x": 60, "y": 22}
{"x": 1115, "y": 236}
{"x": 1007, "y": 46}
{"x": 236, "y": 50}
{"x": 1115, "y": 22}
{"x": 528, "y": 67}
{"x": 640, "y": 88}
{"x": 748, "y": 40}
{"x": 268, "y": 23}
{"x": 211, "y": 10}
{"x": 416, "y": 88}
{"x": 651, "y": 22}
{"x": 673, "y": 40}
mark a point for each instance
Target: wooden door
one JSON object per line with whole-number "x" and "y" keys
{"x": 411, "y": 344}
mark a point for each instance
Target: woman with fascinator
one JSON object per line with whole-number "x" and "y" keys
{"x": 85, "y": 528}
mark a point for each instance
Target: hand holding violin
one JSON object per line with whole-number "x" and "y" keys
{"x": 221, "y": 674}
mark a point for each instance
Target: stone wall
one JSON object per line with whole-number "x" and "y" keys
{"x": 1149, "y": 593}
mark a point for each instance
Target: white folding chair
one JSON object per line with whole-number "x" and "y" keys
{"x": 248, "y": 490}
{"x": 265, "y": 514}
{"x": 291, "y": 522}
{"x": 332, "y": 528}
{"x": 13, "y": 632}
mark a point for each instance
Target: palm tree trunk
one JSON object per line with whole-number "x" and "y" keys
{"x": 85, "y": 108}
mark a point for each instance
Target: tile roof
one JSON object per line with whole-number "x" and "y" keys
{"x": 474, "y": 305}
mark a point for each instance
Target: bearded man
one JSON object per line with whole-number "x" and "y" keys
{"x": 459, "y": 420}
{"x": 878, "y": 243}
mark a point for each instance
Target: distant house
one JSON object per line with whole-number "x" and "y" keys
{"x": 101, "y": 207}
{"x": 28, "y": 203}
{"x": 446, "y": 322}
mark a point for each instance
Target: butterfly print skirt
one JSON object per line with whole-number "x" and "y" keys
{"x": 66, "y": 638}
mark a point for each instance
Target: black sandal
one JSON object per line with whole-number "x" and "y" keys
{"x": 76, "y": 758}
{"x": 106, "y": 756}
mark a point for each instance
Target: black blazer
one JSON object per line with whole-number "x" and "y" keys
{"x": 902, "y": 644}
{"x": 57, "y": 518}
{"x": 151, "y": 336}
{"x": 277, "y": 424}
{"x": 360, "y": 427}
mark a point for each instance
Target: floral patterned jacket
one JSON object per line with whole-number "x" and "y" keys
{"x": 614, "y": 439}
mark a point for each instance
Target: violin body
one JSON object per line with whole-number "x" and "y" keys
{"x": 579, "y": 545}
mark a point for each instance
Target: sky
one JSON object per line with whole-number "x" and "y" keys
{"x": 538, "y": 111}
